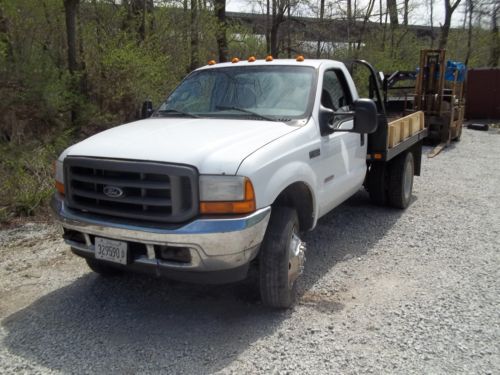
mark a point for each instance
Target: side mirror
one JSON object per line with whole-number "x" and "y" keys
{"x": 364, "y": 121}
{"x": 365, "y": 116}
{"x": 147, "y": 109}
{"x": 326, "y": 116}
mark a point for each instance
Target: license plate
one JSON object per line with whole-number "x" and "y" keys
{"x": 111, "y": 250}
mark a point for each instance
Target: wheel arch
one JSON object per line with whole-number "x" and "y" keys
{"x": 299, "y": 196}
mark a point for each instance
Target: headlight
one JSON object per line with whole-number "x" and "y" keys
{"x": 59, "y": 176}
{"x": 226, "y": 195}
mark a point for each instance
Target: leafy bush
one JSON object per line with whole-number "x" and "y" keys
{"x": 28, "y": 179}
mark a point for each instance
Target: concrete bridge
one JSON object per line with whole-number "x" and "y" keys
{"x": 311, "y": 29}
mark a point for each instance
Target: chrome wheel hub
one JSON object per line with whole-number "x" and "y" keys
{"x": 296, "y": 258}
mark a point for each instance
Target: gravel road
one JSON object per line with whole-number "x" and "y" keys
{"x": 384, "y": 291}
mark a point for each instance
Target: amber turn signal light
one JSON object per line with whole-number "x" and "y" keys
{"x": 60, "y": 187}
{"x": 245, "y": 206}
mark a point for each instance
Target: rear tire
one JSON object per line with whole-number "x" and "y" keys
{"x": 376, "y": 184}
{"x": 278, "y": 266}
{"x": 102, "y": 268}
{"x": 402, "y": 170}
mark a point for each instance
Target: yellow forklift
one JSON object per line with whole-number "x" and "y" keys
{"x": 439, "y": 93}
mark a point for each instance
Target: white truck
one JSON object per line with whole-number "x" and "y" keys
{"x": 228, "y": 172}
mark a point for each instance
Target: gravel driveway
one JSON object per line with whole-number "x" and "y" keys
{"x": 384, "y": 291}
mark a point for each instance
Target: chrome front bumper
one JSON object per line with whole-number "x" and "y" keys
{"x": 215, "y": 245}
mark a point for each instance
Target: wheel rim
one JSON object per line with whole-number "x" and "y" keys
{"x": 408, "y": 179}
{"x": 296, "y": 257}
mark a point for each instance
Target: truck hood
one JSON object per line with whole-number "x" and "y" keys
{"x": 214, "y": 146}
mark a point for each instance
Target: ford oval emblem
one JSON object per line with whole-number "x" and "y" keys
{"x": 113, "y": 191}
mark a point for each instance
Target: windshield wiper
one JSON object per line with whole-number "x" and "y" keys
{"x": 177, "y": 111}
{"x": 224, "y": 107}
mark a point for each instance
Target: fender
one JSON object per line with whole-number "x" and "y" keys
{"x": 277, "y": 180}
{"x": 288, "y": 175}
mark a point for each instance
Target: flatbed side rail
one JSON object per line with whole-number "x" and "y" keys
{"x": 391, "y": 153}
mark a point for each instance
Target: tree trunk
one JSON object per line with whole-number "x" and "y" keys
{"x": 384, "y": 34}
{"x": 321, "y": 15}
{"x": 220, "y": 13}
{"x": 4, "y": 30}
{"x": 136, "y": 9}
{"x": 70, "y": 9}
{"x": 380, "y": 12}
{"x": 278, "y": 17}
{"x": 289, "y": 35}
{"x": 186, "y": 17}
{"x": 445, "y": 28}
{"x": 194, "y": 35}
{"x": 431, "y": 4}
{"x": 392, "y": 7}
{"x": 405, "y": 13}
{"x": 367, "y": 16}
{"x": 268, "y": 27}
{"x": 349, "y": 24}
{"x": 470, "y": 12}
{"x": 274, "y": 40}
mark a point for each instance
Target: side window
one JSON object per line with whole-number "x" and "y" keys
{"x": 334, "y": 94}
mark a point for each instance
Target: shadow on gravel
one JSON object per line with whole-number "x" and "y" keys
{"x": 133, "y": 324}
{"x": 347, "y": 232}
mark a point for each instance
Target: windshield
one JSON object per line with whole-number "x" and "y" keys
{"x": 279, "y": 93}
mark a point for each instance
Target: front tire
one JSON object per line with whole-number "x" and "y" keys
{"x": 281, "y": 259}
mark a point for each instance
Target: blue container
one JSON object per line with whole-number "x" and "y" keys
{"x": 451, "y": 67}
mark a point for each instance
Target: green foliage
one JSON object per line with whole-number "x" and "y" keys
{"x": 28, "y": 176}
{"x": 244, "y": 44}
{"x": 126, "y": 75}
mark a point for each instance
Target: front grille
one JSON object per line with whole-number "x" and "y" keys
{"x": 141, "y": 190}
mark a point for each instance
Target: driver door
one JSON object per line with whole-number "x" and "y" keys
{"x": 343, "y": 165}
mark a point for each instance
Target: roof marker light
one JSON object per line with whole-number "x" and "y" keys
{"x": 251, "y": 59}
{"x": 234, "y": 60}
{"x": 299, "y": 58}
{"x": 211, "y": 62}
{"x": 269, "y": 58}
